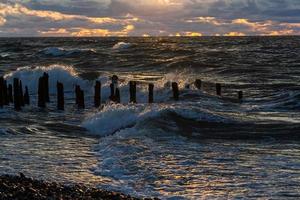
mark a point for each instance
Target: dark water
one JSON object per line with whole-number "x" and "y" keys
{"x": 202, "y": 146}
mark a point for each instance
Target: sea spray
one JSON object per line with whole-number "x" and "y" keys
{"x": 115, "y": 117}
{"x": 65, "y": 74}
{"x": 122, "y": 45}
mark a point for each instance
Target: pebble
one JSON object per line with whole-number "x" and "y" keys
{"x": 24, "y": 188}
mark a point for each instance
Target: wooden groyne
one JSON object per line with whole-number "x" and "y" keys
{"x": 14, "y": 93}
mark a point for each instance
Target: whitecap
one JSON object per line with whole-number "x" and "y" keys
{"x": 122, "y": 45}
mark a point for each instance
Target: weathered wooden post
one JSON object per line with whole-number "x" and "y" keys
{"x": 112, "y": 92}
{"x": 21, "y": 94}
{"x": 1, "y": 92}
{"x": 10, "y": 93}
{"x": 46, "y": 86}
{"x": 218, "y": 89}
{"x": 118, "y": 96}
{"x": 60, "y": 96}
{"x": 132, "y": 91}
{"x": 81, "y": 100}
{"x": 41, "y": 93}
{"x": 113, "y": 89}
{"x": 77, "y": 91}
{"x": 150, "y": 90}
{"x": 26, "y": 97}
{"x": 17, "y": 103}
{"x": 175, "y": 91}
{"x": 97, "y": 97}
{"x": 240, "y": 95}
{"x": 5, "y": 93}
{"x": 198, "y": 84}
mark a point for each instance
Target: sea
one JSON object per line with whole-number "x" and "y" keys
{"x": 203, "y": 146}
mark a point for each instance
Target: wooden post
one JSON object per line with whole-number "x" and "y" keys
{"x": 46, "y": 86}
{"x": 60, "y": 96}
{"x": 198, "y": 84}
{"x": 97, "y": 97}
{"x": 81, "y": 100}
{"x": 21, "y": 94}
{"x": 218, "y": 89}
{"x": 10, "y": 93}
{"x": 132, "y": 91}
{"x": 17, "y": 103}
{"x": 175, "y": 91}
{"x": 41, "y": 93}
{"x": 118, "y": 96}
{"x": 240, "y": 95}
{"x": 1, "y": 92}
{"x": 26, "y": 97}
{"x": 77, "y": 91}
{"x": 5, "y": 93}
{"x": 150, "y": 96}
{"x": 112, "y": 92}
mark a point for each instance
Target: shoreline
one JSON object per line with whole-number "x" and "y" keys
{"x": 23, "y": 188}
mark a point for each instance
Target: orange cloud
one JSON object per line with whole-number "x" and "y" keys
{"x": 55, "y": 32}
{"x": 291, "y": 25}
{"x": 234, "y": 34}
{"x": 255, "y": 26}
{"x": 281, "y": 32}
{"x": 2, "y": 21}
{"x": 87, "y": 32}
{"x": 207, "y": 20}
{"x": 193, "y": 34}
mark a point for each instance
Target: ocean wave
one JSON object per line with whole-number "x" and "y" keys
{"x": 57, "y": 51}
{"x": 281, "y": 100}
{"x": 115, "y": 117}
{"x": 4, "y": 55}
{"x": 65, "y": 74}
{"x": 122, "y": 45}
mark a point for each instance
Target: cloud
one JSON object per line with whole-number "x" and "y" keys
{"x": 85, "y": 32}
{"x": 149, "y": 18}
{"x": 193, "y": 34}
{"x": 234, "y": 34}
{"x": 2, "y": 21}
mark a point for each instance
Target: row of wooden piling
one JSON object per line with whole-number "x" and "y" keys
{"x": 198, "y": 85}
{"x": 14, "y": 94}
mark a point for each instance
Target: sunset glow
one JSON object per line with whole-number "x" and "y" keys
{"x": 150, "y": 18}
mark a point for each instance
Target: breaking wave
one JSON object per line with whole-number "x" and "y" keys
{"x": 122, "y": 45}
{"x": 65, "y": 74}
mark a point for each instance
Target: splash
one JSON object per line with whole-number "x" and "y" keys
{"x": 65, "y": 74}
{"x": 122, "y": 45}
{"x": 116, "y": 117}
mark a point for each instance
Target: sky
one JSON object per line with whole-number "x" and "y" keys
{"x": 84, "y": 18}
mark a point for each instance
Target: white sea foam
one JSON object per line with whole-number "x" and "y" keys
{"x": 57, "y": 51}
{"x": 115, "y": 117}
{"x": 4, "y": 55}
{"x": 65, "y": 74}
{"x": 122, "y": 45}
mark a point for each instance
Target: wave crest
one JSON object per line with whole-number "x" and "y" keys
{"x": 65, "y": 74}
{"x": 122, "y": 45}
{"x": 57, "y": 51}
